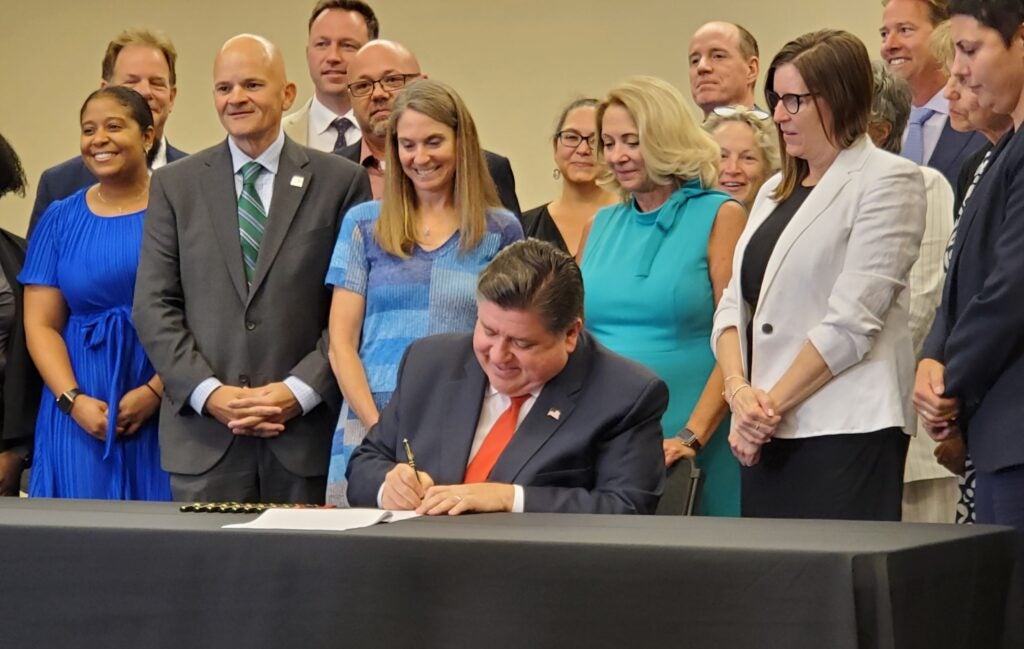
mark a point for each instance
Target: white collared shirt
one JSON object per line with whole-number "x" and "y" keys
{"x": 160, "y": 159}
{"x": 320, "y": 134}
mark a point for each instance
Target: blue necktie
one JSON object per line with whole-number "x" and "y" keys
{"x": 913, "y": 147}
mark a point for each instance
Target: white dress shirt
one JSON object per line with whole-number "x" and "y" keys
{"x": 270, "y": 159}
{"x": 321, "y": 135}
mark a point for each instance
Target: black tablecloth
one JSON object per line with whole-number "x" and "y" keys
{"x": 92, "y": 574}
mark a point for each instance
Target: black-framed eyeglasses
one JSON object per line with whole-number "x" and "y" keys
{"x": 572, "y": 139}
{"x": 790, "y": 101}
{"x": 739, "y": 111}
{"x": 390, "y": 83}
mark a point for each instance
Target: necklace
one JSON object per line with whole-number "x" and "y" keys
{"x": 130, "y": 201}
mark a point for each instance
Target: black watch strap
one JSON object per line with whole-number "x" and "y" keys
{"x": 67, "y": 400}
{"x": 689, "y": 439}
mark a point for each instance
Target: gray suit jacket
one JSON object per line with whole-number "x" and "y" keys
{"x": 197, "y": 318}
{"x": 590, "y": 444}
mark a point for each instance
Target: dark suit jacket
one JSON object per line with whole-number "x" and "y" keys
{"x": 952, "y": 149}
{"x": 966, "y": 175}
{"x": 67, "y": 178}
{"x": 978, "y": 331}
{"x": 601, "y": 454}
{"x": 21, "y": 380}
{"x": 499, "y": 166}
{"x": 197, "y": 318}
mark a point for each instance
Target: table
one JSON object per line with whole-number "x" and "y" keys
{"x": 100, "y": 574}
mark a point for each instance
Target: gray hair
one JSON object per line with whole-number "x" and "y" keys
{"x": 890, "y": 103}
{"x": 535, "y": 276}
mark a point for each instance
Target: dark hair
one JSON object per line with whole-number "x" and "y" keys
{"x": 582, "y": 102}
{"x": 156, "y": 40}
{"x": 533, "y": 275}
{"x": 12, "y": 174}
{"x": 1004, "y": 16}
{"x": 817, "y": 56}
{"x": 137, "y": 107}
{"x": 361, "y": 8}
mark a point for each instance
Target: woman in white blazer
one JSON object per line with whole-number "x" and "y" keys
{"x": 812, "y": 332}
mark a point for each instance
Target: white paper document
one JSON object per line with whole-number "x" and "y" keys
{"x": 335, "y": 520}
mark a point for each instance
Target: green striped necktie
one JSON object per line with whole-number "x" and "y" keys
{"x": 252, "y": 217}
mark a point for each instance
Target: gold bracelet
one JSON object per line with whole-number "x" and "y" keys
{"x": 732, "y": 397}
{"x": 734, "y": 376}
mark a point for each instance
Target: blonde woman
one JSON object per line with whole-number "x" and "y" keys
{"x": 750, "y": 150}
{"x": 406, "y": 266}
{"x": 655, "y": 264}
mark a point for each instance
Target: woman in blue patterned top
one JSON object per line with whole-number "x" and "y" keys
{"x": 406, "y": 266}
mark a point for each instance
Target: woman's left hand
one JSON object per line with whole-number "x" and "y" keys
{"x": 675, "y": 450}
{"x": 747, "y": 452}
{"x": 135, "y": 407}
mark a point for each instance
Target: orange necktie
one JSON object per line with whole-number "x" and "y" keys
{"x": 495, "y": 442}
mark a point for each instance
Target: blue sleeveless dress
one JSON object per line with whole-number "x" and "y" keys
{"x": 648, "y": 296}
{"x": 92, "y": 260}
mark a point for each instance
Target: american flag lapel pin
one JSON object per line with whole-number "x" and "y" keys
{"x": 555, "y": 414}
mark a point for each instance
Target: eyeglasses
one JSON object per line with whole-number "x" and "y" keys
{"x": 390, "y": 83}
{"x": 790, "y": 101}
{"x": 572, "y": 139}
{"x": 731, "y": 111}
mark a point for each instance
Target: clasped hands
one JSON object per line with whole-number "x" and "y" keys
{"x": 257, "y": 412}
{"x": 938, "y": 412}
{"x": 405, "y": 489}
{"x": 754, "y": 420}
{"x": 134, "y": 408}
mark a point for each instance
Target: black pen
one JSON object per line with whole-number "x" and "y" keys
{"x": 411, "y": 458}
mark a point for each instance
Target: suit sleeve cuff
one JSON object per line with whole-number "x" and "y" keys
{"x": 202, "y": 392}
{"x": 307, "y": 397}
{"x": 518, "y": 499}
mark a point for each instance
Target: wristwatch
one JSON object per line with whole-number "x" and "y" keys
{"x": 689, "y": 439}
{"x": 67, "y": 400}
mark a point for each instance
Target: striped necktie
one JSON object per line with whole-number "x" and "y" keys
{"x": 252, "y": 217}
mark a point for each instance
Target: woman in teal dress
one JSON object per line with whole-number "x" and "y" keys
{"x": 96, "y": 434}
{"x": 655, "y": 265}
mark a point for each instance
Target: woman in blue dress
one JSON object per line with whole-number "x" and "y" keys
{"x": 655, "y": 265}
{"x": 406, "y": 267}
{"x": 96, "y": 434}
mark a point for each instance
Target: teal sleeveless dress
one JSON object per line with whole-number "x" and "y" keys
{"x": 648, "y": 296}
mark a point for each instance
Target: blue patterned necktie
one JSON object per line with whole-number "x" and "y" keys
{"x": 913, "y": 147}
{"x": 341, "y": 125}
{"x": 252, "y": 217}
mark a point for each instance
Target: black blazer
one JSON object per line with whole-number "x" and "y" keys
{"x": 591, "y": 443}
{"x": 67, "y": 178}
{"x": 952, "y": 149}
{"x": 499, "y": 166}
{"x": 22, "y": 384}
{"x": 978, "y": 332}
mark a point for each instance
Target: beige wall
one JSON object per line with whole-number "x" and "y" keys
{"x": 514, "y": 62}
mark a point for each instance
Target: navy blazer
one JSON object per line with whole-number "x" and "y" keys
{"x": 591, "y": 443}
{"x": 952, "y": 149}
{"x": 978, "y": 332}
{"x": 499, "y": 166}
{"x": 67, "y": 178}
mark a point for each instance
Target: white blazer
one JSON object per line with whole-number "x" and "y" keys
{"x": 837, "y": 277}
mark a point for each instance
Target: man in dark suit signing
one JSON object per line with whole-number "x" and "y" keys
{"x": 230, "y": 302}
{"x": 527, "y": 413}
{"x": 376, "y": 75}
{"x": 144, "y": 61}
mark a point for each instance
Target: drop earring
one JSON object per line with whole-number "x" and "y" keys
{"x": 556, "y": 174}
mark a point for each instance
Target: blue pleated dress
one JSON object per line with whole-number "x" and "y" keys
{"x": 92, "y": 260}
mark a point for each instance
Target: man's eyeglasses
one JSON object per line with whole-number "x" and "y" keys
{"x": 572, "y": 139}
{"x": 390, "y": 83}
{"x": 733, "y": 111}
{"x": 790, "y": 101}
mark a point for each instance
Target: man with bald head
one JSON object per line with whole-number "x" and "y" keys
{"x": 724, "y": 65}
{"x": 230, "y": 302}
{"x": 376, "y": 76}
